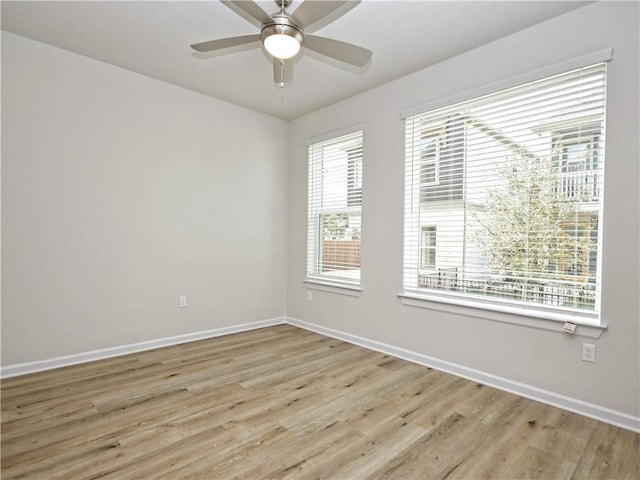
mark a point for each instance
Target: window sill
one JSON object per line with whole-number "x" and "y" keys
{"x": 551, "y": 321}
{"x": 331, "y": 286}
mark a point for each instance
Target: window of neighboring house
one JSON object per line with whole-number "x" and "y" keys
{"x": 429, "y": 158}
{"x": 580, "y": 256}
{"x": 576, "y": 157}
{"x": 334, "y": 213}
{"x": 428, "y": 248}
{"x": 514, "y": 182}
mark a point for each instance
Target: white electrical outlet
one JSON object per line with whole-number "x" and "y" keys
{"x": 588, "y": 352}
{"x": 182, "y": 301}
{"x": 309, "y": 296}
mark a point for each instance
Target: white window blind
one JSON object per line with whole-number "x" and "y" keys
{"x": 334, "y": 215}
{"x": 509, "y": 188}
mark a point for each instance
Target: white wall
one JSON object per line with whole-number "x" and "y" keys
{"x": 541, "y": 359}
{"x": 119, "y": 194}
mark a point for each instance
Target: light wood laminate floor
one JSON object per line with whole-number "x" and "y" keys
{"x": 283, "y": 402}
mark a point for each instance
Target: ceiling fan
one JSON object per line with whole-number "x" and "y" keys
{"x": 283, "y": 34}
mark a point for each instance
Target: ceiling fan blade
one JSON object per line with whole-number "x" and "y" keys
{"x": 282, "y": 72}
{"x": 225, "y": 43}
{"x": 345, "y": 52}
{"x": 310, "y": 13}
{"x": 249, "y": 10}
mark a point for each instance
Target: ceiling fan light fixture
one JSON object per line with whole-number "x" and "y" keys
{"x": 282, "y": 35}
{"x": 281, "y": 41}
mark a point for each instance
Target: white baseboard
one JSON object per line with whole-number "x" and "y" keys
{"x": 590, "y": 410}
{"x": 67, "y": 360}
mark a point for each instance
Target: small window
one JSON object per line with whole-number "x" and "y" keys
{"x": 334, "y": 213}
{"x": 428, "y": 248}
{"x": 429, "y": 157}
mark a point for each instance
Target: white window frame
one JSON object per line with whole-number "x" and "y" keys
{"x": 592, "y": 324}
{"x": 346, "y": 283}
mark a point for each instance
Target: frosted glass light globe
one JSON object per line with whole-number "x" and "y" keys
{"x": 282, "y": 46}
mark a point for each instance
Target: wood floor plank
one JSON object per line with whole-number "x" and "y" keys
{"x": 505, "y": 440}
{"x": 376, "y": 445}
{"x": 536, "y": 464}
{"x": 286, "y": 403}
{"x": 48, "y": 397}
{"x": 610, "y": 453}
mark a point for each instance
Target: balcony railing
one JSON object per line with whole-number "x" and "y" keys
{"x": 554, "y": 293}
{"x": 582, "y": 186}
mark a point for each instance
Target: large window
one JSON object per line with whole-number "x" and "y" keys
{"x": 512, "y": 183}
{"x": 335, "y": 201}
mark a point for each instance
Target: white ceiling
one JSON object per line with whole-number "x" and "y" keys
{"x": 153, "y": 38}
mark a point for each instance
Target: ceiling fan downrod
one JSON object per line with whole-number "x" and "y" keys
{"x": 283, "y": 4}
